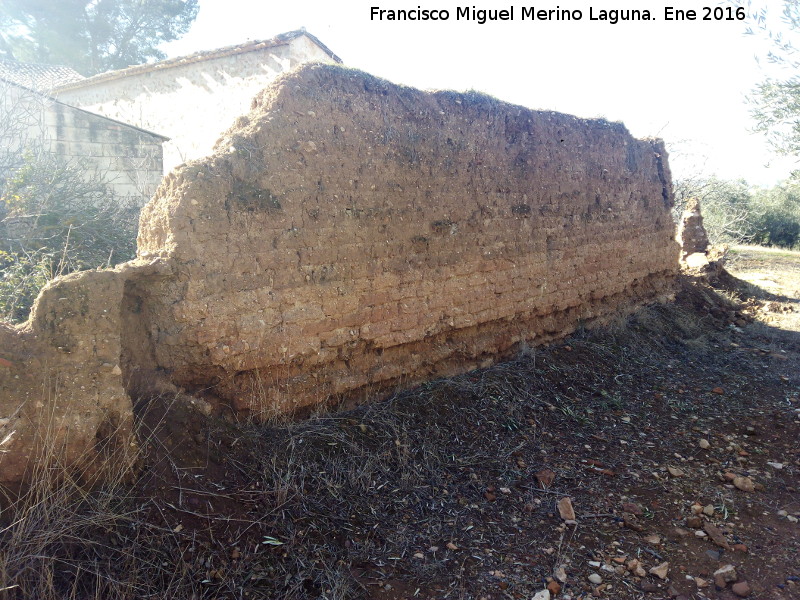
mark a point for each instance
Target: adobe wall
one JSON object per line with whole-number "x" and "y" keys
{"x": 347, "y": 237}
{"x": 352, "y": 234}
{"x": 62, "y": 394}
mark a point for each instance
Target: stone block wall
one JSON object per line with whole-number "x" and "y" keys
{"x": 129, "y": 159}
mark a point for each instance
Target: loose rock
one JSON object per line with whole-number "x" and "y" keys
{"x": 565, "y": 509}
{"x": 635, "y": 567}
{"x": 681, "y": 532}
{"x": 632, "y": 522}
{"x": 633, "y": 508}
{"x": 716, "y": 535}
{"x": 694, "y": 522}
{"x": 653, "y": 539}
{"x": 675, "y": 471}
{"x": 726, "y": 574}
{"x": 545, "y": 477}
{"x": 660, "y": 571}
{"x": 741, "y": 589}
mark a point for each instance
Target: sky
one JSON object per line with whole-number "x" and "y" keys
{"x": 684, "y": 81}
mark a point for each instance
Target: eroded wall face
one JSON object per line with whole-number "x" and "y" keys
{"x": 62, "y": 397}
{"x": 350, "y": 234}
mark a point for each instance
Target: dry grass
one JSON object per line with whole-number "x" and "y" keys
{"x": 64, "y": 538}
{"x": 770, "y": 277}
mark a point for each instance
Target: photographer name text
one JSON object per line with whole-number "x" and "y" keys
{"x": 610, "y": 16}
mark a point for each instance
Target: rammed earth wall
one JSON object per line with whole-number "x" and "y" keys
{"x": 349, "y": 236}
{"x": 350, "y": 233}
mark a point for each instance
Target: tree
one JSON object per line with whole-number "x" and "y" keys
{"x": 775, "y": 103}
{"x": 92, "y": 36}
{"x": 777, "y": 220}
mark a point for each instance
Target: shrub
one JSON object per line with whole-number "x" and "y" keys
{"x": 777, "y": 222}
{"x": 56, "y": 217}
{"x": 735, "y": 212}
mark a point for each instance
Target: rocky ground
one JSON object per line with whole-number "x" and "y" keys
{"x": 657, "y": 458}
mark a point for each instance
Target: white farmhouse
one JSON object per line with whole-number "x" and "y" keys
{"x": 128, "y": 158}
{"x": 193, "y": 99}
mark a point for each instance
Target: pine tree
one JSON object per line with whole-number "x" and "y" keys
{"x": 92, "y": 36}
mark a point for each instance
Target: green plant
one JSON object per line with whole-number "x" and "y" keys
{"x": 777, "y": 221}
{"x": 21, "y": 278}
{"x": 57, "y": 216}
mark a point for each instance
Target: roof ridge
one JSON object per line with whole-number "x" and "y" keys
{"x": 38, "y": 64}
{"x": 200, "y": 55}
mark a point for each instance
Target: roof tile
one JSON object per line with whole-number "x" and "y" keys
{"x": 41, "y": 78}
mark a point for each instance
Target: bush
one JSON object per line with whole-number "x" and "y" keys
{"x": 736, "y": 213}
{"x": 777, "y": 222}
{"x": 21, "y": 278}
{"x": 56, "y": 217}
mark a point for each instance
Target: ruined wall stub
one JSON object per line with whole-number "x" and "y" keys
{"x": 347, "y": 236}
{"x": 352, "y": 233}
{"x": 692, "y": 234}
{"x": 62, "y": 395}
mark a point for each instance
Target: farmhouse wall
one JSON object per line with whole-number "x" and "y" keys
{"x": 129, "y": 159}
{"x": 349, "y": 237}
{"x": 192, "y": 101}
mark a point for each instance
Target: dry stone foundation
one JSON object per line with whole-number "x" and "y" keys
{"x": 349, "y": 236}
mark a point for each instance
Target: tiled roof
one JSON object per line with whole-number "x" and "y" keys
{"x": 250, "y": 46}
{"x": 42, "y": 78}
